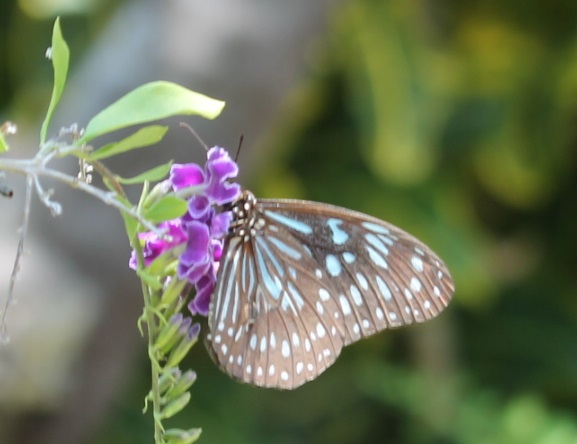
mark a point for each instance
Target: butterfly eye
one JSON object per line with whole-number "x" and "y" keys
{"x": 299, "y": 280}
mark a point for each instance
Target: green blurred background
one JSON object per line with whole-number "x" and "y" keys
{"x": 455, "y": 120}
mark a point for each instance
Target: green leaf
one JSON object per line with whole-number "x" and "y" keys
{"x": 152, "y": 175}
{"x": 166, "y": 208}
{"x": 130, "y": 225}
{"x": 3, "y": 144}
{"x": 152, "y": 281}
{"x": 151, "y": 101}
{"x": 161, "y": 264}
{"x": 142, "y": 138}
{"x": 60, "y": 56}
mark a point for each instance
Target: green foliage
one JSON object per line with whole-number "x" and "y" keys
{"x": 152, "y": 175}
{"x": 149, "y": 102}
{"x": 170, "y": 334}
{"x": 149, "y": 135}
{"x": 60, "y": 56}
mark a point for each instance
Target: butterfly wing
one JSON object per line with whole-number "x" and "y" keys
{"x": 265, "y": 329}
{"x": 381, "y": 276}
{"x": 311, "y": 279}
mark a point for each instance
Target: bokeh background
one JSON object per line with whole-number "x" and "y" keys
{"x": 456, "y": 120}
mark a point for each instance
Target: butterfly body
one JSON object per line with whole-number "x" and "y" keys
{"x": 299, "y": 280}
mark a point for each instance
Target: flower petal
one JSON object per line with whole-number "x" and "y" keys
{"x": 186, "y": 175}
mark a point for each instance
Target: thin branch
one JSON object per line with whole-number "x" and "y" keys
{"x": 32, "y": 168}
{"x": 4, "y": 338}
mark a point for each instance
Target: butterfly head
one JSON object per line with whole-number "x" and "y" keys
{"x": 246, "y": 222}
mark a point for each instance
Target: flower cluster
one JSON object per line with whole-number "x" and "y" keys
{"x": 200, "y": 231}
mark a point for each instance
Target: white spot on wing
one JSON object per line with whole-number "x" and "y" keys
{"x": 291, "y": 223}
{"x": 378, "y": 260}
{"x": 345, "y": 305}
{"x": 417, "y": 263}
{"x": 296, "y": 340}
{"x": 356, "y": 295}
{"x": 333, "y": 265}
{"x": 362, "y": 281}
{"x": 339, "y": 236}
{"x": 377, "y": 243}
{"x": 384, "y": 289}
{"x": 375, "y": 227}
{"x": 348, "y": 257}
{"x": 272, "y": 340}
{"x": 324, "y": 295}
{"x": 415, "y": 284}
{"x": 285, "y": 349}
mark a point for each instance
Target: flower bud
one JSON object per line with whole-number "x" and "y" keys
{"x": 183, "y": 383}
{"x": 183, "y": 347}
{"x": 168, "y": 378}
{"x": 170, "y": 332}
{"x": 179, "y": 436}
{"x": 175, "y": 406}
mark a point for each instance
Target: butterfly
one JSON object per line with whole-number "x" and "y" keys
{"x": 300, "y": 280}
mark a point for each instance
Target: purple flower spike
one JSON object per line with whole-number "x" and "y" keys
{"x": 201, "y": 230}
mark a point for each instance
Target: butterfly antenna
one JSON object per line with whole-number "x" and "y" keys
{"x": 195, "y": 134}
{"x": 238, "y": 148}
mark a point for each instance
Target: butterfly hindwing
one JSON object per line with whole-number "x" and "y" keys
{"x": 264, "y": 329}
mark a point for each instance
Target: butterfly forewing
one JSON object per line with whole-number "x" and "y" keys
{"x": 298, "y": 280}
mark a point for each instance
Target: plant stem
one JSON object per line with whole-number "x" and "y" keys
{"x": 152, "y": 331}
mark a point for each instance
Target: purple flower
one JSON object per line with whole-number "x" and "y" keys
{"x": 200, "y": 230}
{"x": 219, "y": 168}
{"x": 182, "y": 176}
{"x": 154, "y": 246}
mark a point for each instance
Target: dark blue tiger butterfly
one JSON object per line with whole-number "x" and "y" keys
{"x": 299, "y": 280}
